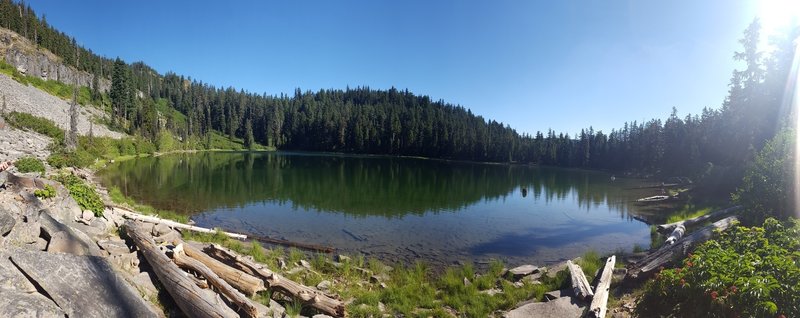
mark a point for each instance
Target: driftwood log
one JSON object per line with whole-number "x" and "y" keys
{"x": 246, "y": 283}
{"x": 666, "y": 228}
{"x": 580, "y": 285}
{"x": 156, "y": 220}
{"x": 667, "y": 253}
{"x": 307, "y": 295}
{"x": 600, "y": 299}
{"x": 183, "y": 261}
{"x": 676, "y": 234}
{"x": 189, "y": 298}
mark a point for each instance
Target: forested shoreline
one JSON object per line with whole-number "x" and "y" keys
{"x": 716, "y": 143}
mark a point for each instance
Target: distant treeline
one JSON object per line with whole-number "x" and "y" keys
{"x": 397, "y": 122}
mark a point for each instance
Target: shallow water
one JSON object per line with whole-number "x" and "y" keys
{"x": 397, "y": 209}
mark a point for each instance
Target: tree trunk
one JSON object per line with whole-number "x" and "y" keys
{"x": 579, "y": 283}
{"x": 666, "y": 228}
{"x": 156, "y": 220}
{"x": 600, "y": 300}
{"x": 189, "y": 298}
{"x": 667, "y": 253}
{"x": 182, "y": 260}
{"x": 242, "y": 281}
{"x": 308, "y": 295}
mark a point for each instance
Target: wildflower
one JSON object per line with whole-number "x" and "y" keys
{"x": 689, "y": 264}
{"x": 733, "y": 289}
{"x": 683, "y": 282}
{"x": 714, "y": 295}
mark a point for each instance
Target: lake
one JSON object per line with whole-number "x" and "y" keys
{"x": 396, "y": 209}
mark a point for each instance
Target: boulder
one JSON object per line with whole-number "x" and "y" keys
{"x": 564, "y": 307}
{"x": 324, "y": 285}
{"x": 61, "y": 242}
{"x": 144, "y": 283}
{"x": 7, "y": 222}
{"x": 114, "y": 247}
{"x": 22, "y": 304}
{"x": 11, "y": 278}
{"x": 161, "y": 229}
{"x": 83, "y": 286}
{"x": 523, "y": 270}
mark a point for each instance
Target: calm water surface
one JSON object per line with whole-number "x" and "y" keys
{"x": 397, "y": 209}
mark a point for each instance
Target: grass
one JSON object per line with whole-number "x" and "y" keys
{"x": 689, "y": 211}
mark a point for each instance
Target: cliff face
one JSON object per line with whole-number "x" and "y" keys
{"x": 30, "y": 60}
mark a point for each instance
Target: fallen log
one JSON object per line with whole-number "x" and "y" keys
{"x": 580, "y": 285}
{"x": 184, "y": 261}
{"x": 667, "y": 253}
{"x": 600, "y": 299}
{"x": 676, "y": 234}
{"x": 242, "y": 281}
{"x": 307, "y": 295}
{"x": 128, "y": 214}
{"x": 305, "y": 246}
{"x": 666, "y": 228}
{"x": 189, "y": 298}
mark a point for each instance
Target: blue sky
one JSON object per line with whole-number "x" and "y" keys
{"x": 534, "y": 65}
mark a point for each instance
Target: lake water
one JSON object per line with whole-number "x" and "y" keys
{"x": 396, "y": 209}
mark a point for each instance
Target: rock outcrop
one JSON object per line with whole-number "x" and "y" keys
{"x": 26, "y": 58}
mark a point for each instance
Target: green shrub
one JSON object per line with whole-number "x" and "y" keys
{"x": 79, "y": 159}
{"x": 29, "y": 164}
{"x": 747, "y": 272}
{"x": 46, "y": 193}
{"x": 38, "y": 124}
{"x": 84, "y": 194}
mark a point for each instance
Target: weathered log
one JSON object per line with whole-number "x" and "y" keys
{"x": 182, "y": 260}
{"x": 305, "y": 246}
{"x": 189, "y": 298}
{"x": 667, "y": 253}
{"x": 308, "y": 295}
{"x": 676, "y": 234}
{"x": 156, "y": 220}
{"x": 666, "y": 228}
{"x": 242, "y": 281}
{"x": 580, "y": 285}
{"x": 600, "y": 299}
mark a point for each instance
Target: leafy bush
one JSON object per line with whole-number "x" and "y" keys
{"x": 38, "y": 124}
{"x": 747, "y": 272}
{"x": 46, "y": 193}
{"x": 768, "y": 187}
{"x": 29, "y": 164}
{"x": 84, "y": 194}
{"x": 79, "y": 159}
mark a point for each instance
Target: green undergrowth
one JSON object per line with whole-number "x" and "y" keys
{"x": 40, "y": 125}
{"x": 689, "y": 211}
{"x": 29, "y": 164}
{"x": 83, "y": 193}
{"x": 407, "y": 290}
{"x": 118, "y": 197}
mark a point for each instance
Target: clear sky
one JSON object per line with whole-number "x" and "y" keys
{"x": 534, "y": 65}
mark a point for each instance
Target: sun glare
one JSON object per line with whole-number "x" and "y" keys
{"x": 775, "y": 14}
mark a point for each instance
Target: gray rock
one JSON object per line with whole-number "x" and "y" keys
{"x": 324, "y": 285}
{"x": 60, "y": 242}
{"x": 523, "y": 270}
{"x": 20, "y": 304}
{"x": 564, "y": 307}
{"x": 41, "y": 244}
{"x": 161, "y": 229}
{"x": 83, "y": 286}
{"x": 491, "y": 292}
{"x": 342, "y": 258}
{"x": 556, "y": 294}
{"x": 305, "y": 264}
{"x": 144, "y": 283}
{"x": 7, "y": 222}
{"x": 321, "y": 316}
{"x": 11, "y": 278}
{"x": 115, "y": 247}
